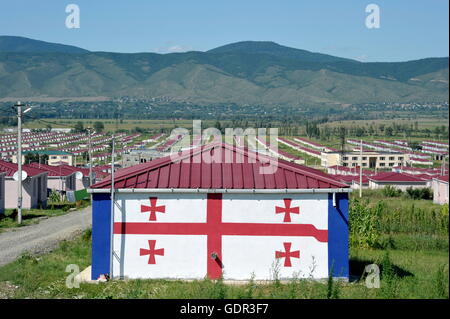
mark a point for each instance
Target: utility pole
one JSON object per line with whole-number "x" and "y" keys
{"x": 360, "y": 169}
{"x": 90, "y": 156}
{"x": 20, "y": 112}
{"x": 90, "y": 159}
{"x": 112, "y": 208}
{"x": 19, "y": 161}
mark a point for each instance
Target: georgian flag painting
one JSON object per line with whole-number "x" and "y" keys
{"x": 237, "y": 236}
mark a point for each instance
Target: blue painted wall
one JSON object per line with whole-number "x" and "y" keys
{"x": 101, "y": 234}
{"x": 338, "y": 256}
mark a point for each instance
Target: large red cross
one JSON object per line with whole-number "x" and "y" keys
{"x": 151, "y": 252}
{"x": 287, "y": 210}
{"x": 287, "y": 254}
{"x": 214, "y": 229}
{"x": 153, "y": 209}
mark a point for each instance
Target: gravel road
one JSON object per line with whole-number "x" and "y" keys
{"x": 44, "y": 236}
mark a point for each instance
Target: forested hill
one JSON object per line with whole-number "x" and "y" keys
{"x": 244, "y": 73}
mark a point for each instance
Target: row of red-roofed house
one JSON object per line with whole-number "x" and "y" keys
{"x": 299, "y": 147}
{"x": 314, "y": 145}
{"x": 436, "y": 143}
{"x": 279, "y": 153}
{"x": 40, "y": 180}
{"x": 393, "y": 144}
{"x": 438, "y": 152}
{"x": 169, "y": 143}
{"x": 400, "y": 178}
{"x": 433, "y": 149}
{"x": 76, "y": 142}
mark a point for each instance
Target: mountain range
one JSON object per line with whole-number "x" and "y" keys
{"x": 243, "y": 73}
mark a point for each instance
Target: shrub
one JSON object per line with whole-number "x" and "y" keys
{"x": 390, "y": 191}
{"x": 54, "y": 196}
{"x": 419, "y": 193}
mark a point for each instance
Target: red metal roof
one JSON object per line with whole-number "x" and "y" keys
{"x": 52, "y": 170}
{"x": 190, "y": 170}
{"x": 11, "y": 168}
{"x": 395, "y": 177}
{"x": 443, "y": 178}
{"x": 348, "y": 179}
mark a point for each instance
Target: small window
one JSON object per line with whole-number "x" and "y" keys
{"x": 382, "y": 158}
{"x": 354, "y": 158}
{"x": 364, "y": 158}
{"x": 345, "y": 164}
{"x": 391, "y": 158}
{"x": 391, "y": 164}
{"x": 400, "y": 158}
{"x": 382, "y": 164}
{"x": 345, "y": 158}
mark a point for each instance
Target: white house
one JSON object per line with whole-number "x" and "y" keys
{"x": 218, "y": 210}
{"x": 400, "y": 181}
{"x": 34, "y": 187}
{"x": 440, "y": 189}
{"x": 59, "y": 178}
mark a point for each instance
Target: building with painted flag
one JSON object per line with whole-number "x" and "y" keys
{"x": 220, "y": 211}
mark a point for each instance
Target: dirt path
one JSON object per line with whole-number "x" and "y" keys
{"x": 44, "y": 236}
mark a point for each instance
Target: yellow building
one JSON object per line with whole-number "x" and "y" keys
{"x": 369, "y": 159}
{"x": 55, "y": 158}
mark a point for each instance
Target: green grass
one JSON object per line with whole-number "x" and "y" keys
{"x": 415, "y": 274}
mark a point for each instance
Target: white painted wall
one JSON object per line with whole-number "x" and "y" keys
{"x": 440, "y": 192}
{"x": 2, "y": 193}
{"x": 185, "y": 256}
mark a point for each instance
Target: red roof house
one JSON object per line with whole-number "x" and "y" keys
{"x": 398, "y": 180}
{"x": 34, "y": 187}
{"x": 220, "y": 210}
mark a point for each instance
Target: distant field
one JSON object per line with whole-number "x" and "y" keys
{"x": 423, "y": 123}
{"x": 110, "y": 125}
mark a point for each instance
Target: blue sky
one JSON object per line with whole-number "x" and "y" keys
{"x": 408, "y": 29}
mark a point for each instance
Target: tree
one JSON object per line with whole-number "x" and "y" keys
{"x": 389, "y": 131}
{"x": 99, "y": 126}
{"x": 79, "y": 127}
{"x": 35, "y": 158}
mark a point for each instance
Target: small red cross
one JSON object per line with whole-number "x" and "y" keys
{"x": 287, "y": 254}
{"x": 153, "y": 209}
{"x": 287, "y": 210}
{"x": 151, "y": 252}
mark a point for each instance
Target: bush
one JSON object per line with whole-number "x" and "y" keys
{"x": 419, "y": 193}
{"x": 390, "y": 191}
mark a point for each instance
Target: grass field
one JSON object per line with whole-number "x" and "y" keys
{"x": 412, "y": 274}
{"x": 110, "y": 124}
{"x": 412, "y": 256}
